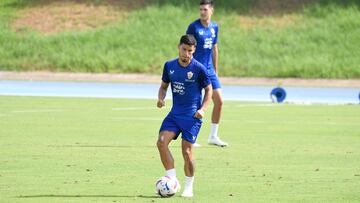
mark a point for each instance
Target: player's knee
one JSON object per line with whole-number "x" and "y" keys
{"x": 218, "y": 102}
{"x": 160, "y": 143}
{"x": 187, "y": 154}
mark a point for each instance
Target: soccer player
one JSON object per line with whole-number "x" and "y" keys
{"x": 206, "y": 35}
{"x": 187, "y": 78}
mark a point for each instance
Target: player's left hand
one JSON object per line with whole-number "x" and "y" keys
{"x": 199, "y": 114}
{"x": 160, "y": 103}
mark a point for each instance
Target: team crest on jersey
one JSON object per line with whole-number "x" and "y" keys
{"x": 172, "y": 72}
{"x": 212, "y": 32}
{"x": 190, "y": 75}
{"x": 201, "y": 32}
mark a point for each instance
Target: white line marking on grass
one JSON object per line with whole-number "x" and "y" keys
{"x": 37, "y": 111}
{"x": 289, "y": 104}
{"x": 255, "y": 105}
{"x": 136, "y": 108}
{"x": 138, "y": 118}
{"x": 233, "y": 120}
{"x": 281, "y": 122}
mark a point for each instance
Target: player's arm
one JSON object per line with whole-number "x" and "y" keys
{"x": 162, "y": 94}
{"x": 215, "y": 57}
{"x": 207, "y": 98}
{"x": 190, "y": 30}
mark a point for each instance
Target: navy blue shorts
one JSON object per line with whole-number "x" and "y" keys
{"x": 215, "y": 82}
{"x": 189, "y": 129}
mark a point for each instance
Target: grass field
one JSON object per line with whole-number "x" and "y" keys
{"x": 279, "y": 38}
{"x": 103, "y": 150}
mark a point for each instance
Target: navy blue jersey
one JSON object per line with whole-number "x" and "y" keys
{"x": 186, "y": 85}
{"x": 206, "y": 37}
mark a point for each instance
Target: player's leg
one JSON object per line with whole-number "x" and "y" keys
{"x": 190, "y": 131}
{"x": 189, "y": 162}
{"x": 218, "y": 103}
{"x": 216, "y": 113}
{"x": 168, "y": 131}
{"x": 163, "y": 141}
{"x": 166, "y": 157}
{"x": 189, "y": 168}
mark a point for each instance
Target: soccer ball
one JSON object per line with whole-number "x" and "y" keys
{"x": 167, "y": 186}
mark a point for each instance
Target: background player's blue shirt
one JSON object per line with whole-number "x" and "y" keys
{"x": 206, "y": 37}
{"x": 186, "y": 85}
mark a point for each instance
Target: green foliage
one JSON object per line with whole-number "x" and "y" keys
{"x": 319, "y": 40}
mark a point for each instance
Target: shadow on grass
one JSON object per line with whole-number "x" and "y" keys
{"x": 87, "y": 196}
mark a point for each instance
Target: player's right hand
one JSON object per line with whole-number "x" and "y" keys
{"x": 199, "y": 114}
{"x": 160, "y": 103}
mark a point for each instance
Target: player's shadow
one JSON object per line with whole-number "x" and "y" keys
{"x": 87, "y": 196}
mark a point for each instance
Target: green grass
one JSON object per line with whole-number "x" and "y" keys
{"x": 321, "y": 40}
{"x": 323, "y": 47}
{"x": 103, "y": 150}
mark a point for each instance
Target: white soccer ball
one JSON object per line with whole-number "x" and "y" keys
{"x": 167, "y": 186}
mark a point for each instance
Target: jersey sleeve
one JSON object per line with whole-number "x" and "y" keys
{"x": 191, "y": 29}
{"x": 165, "y": 77}
{"x": 216, "y": 34}
{"x": 204, "y": 77}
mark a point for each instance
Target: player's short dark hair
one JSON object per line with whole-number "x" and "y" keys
{"x": 188, "y": 40}
{"x": 207, "y": 2}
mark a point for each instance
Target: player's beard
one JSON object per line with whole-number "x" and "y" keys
{"x": 204, "y": 17}
{"x": 185, "y": 60}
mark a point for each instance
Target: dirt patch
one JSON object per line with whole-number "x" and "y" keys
{"x": 279, "y": 7}
{"x": 53, "y": 16}
{"x": 250, "y": 22}
{"x": 48, "y": 17}
{"x": 274, "y": 13}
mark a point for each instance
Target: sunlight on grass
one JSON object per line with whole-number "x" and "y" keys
{"x": 57, "y": 149}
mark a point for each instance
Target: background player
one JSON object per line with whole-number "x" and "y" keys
{"x": 206, "y": 34}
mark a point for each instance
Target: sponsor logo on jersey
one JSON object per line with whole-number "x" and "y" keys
{"x": 179, "y": 88}
{"x": 208, "y": 43}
